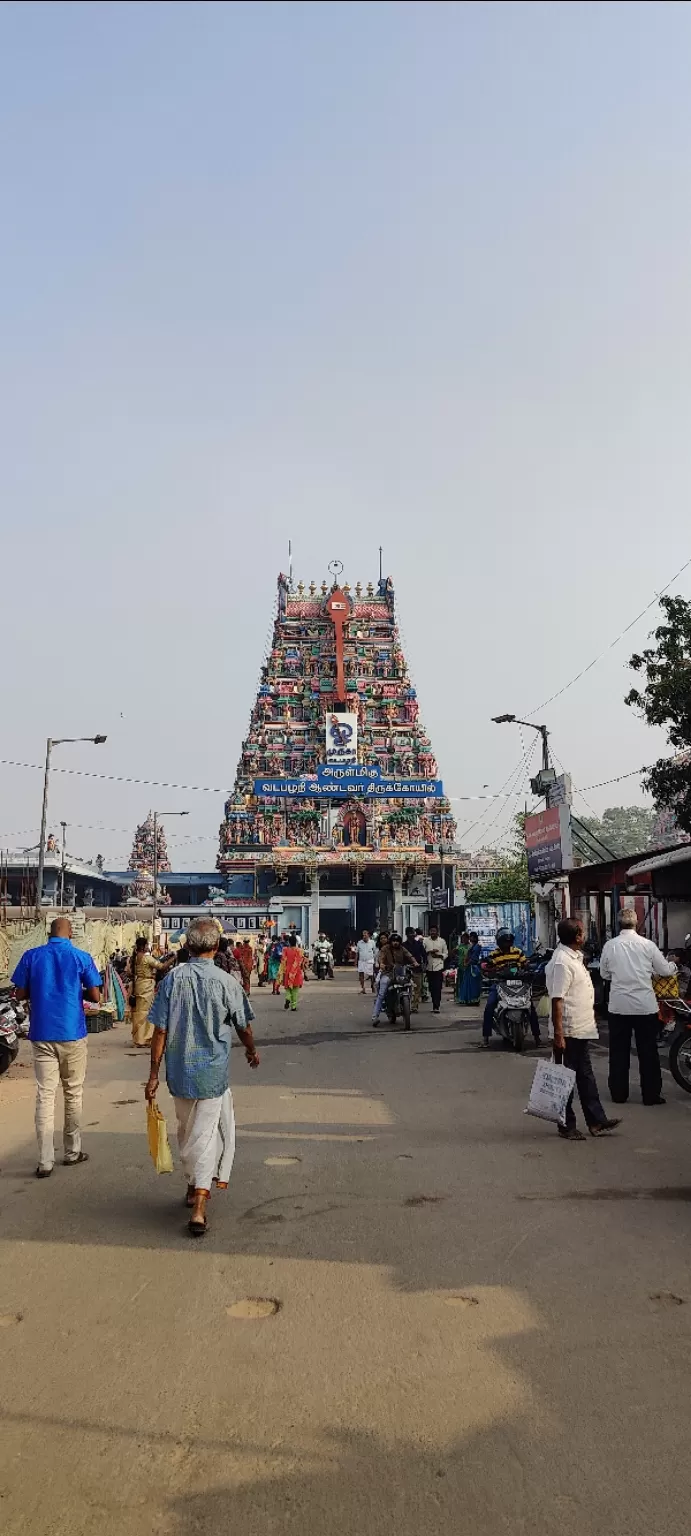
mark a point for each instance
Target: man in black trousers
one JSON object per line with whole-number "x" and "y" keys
{"x": 573, "y": 1023}
{"x": 629, "y": 963}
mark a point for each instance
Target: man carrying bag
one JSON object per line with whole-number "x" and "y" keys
{"x": 573, "y": 1025}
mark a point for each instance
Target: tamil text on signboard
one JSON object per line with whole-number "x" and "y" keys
{"x": 331, "y": 787}
{"x": 548, "y": 843}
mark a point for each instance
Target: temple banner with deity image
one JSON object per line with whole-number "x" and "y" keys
{"x": 341, "y": 738}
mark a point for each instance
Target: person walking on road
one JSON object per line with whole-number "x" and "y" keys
{"x": 470, "y": 988}
{"x": 573, "y": 1023}
{"x": 629, "y": 963}
{"x": 415, "y": 946}
{"x": 274, "y": 966}
{"x": 193, "y": 1014}
{"x": 225, "y": 959}
{"x": 146, "y": 971}
{"x": 244, "y": 955}
{"x": 55, "y": 978}
{"x": 366, "y": 953}
{"x": 437, "y": 952}
{"x": 292, "y": 972}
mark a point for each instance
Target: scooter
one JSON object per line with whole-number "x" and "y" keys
{"x": 399, "y": 994}
{"x": 13, "y": 1024}
{"x": 511, "y": 1018}
{"x": 320, "y": 965}
{"x": 680, "y": 1043}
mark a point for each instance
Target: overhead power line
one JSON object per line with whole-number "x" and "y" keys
{"x": 210, "y": 789}
{"x": 117, "y": 778}
{"x": 612, "y": 644}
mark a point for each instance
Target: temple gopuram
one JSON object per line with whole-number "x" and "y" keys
{"x": 337, "y": 820}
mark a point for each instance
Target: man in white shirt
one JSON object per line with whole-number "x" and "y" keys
{"x": 573, "y": 1024}
{"x": 366, "y": 952}
{"x": 629, "y": 962}
{"x": 436, "y": 952}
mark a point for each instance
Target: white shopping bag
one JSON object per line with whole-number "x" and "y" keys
{"x": 549, "y": 1095}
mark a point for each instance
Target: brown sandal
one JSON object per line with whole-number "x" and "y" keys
{"x": 197, "y": 1228}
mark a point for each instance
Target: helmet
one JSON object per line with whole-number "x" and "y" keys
{"x": 503, "y": 933}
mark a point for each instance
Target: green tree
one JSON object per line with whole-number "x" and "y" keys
{"x": 666, "y": 700}
{"x": 510, "y": 883}
{"x": 622, "y": 828}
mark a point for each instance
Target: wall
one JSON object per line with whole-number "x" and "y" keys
{"x": 99, "y": 938}
{"x": 678, "y": 922}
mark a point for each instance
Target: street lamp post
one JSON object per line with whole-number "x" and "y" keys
{"x": 58, "y": 741}
{"x": 155, "y": 905}
{"x": 63, "y": 824}
{"x": 541, "y": 729}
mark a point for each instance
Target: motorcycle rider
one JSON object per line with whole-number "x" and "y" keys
{"x": 505, "y": 957}
{"x": 392, "y": 952}
{"x": 323, "y": 950}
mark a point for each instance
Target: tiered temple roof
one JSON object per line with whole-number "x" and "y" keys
{"x": 309, "y": 672}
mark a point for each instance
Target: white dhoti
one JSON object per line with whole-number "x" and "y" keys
{"x": 206, "y": 1138}
{"x": 365, "y": 967}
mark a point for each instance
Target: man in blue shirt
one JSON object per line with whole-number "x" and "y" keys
{"x": 56, "y": 978}
{"x": 193, "y": 1014}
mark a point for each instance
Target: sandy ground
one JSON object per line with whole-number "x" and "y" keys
{"x": 481, "y": 1329}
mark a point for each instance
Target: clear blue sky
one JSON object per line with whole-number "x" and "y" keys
{"x": 361, "y": 273}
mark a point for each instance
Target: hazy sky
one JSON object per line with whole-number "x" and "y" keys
{"x": 357, "y": 273}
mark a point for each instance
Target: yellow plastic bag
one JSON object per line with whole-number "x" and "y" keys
{"x": 157, "y": 1132}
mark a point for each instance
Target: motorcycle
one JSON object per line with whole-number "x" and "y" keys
{"x": 680, "y": 1043}
{"x": 511, "y": 1018}
{"x": 13, "y": 1024}
{"x": 320, "y": 965}
{"x": 399, "y": 995}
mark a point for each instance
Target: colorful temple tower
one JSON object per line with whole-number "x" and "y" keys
{"x": 336, "y": 675}
{"x": 143, "y": 859}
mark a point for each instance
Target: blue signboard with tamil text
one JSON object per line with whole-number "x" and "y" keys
{"x": 333, "y": 786}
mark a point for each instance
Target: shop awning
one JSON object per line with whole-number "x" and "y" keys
{"x": 661, "y": 861}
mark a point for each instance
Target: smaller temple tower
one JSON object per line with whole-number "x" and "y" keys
{"x": 142, "y": 858}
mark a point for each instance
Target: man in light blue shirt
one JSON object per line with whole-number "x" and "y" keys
{"x": 56, "y": 977}
{"x": 194, "y": 1012}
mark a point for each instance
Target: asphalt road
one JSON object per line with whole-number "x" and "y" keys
{"x": 480, "y": 1328}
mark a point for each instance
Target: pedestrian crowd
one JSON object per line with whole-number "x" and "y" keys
{"x": 186, "y": 1007}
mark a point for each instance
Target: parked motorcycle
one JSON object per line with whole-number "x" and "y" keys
{"x": 511, "y": 1018}
{"x": 13, "y": 1024}
{"x": 399, "y": 995}
{"x": 680, "y": 1043}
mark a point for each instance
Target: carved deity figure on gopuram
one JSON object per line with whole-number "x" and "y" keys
{"x": 334, "y": 691}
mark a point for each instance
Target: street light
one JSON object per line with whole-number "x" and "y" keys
{"x": 57, "y": 741}
{"x": 63, "y": 824}
{"x": 155, "y": 907}
{"x": 541, "y": 729}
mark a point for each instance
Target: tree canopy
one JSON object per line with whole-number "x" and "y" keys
{"x": 666, "y": 700}
{"x": 622, "y": 829}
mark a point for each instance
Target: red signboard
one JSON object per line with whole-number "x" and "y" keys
{"x": 548, "y": 842}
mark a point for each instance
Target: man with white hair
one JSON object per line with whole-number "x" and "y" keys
{"x": 629, "y": 963}
{"x": 193, "y": 1013}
